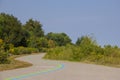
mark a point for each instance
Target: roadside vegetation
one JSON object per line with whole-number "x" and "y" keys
{"x": 24, "y": 39}
{"x": 14, "y": 64}
{"x": 87, "y": 50}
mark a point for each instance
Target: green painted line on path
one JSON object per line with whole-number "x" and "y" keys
{"x": 58, "y": 67}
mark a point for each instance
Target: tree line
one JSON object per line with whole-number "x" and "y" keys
{"x": 17, "y": 38}
{"x": 31, "y": 35}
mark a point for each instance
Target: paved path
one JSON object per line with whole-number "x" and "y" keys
{"x": 59, "y": 70}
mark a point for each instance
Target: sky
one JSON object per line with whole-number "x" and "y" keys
{"x": 97, "y": 18}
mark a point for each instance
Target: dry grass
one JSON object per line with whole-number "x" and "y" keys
{"x": 14, "y": 64}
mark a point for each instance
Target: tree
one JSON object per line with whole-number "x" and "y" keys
{"x": 61, "y": 39}
{"x": 11, "y": 30}
{"x": 39, "y": 43}
{"x": 85, "y": 40}
{"x": 78, "y": 42}
{"x": 87, "y": 44}
{"x": 34, "y": 28}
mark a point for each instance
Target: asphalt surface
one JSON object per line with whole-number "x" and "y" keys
{"x": 59, "y": 70}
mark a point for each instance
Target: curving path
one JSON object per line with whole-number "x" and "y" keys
{"x": 59, "y": 70}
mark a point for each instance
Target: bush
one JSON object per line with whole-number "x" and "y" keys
{"x": 62, "y": 53}
{"x": 23, "y": 50}
{"x": 3, "y": 55}
{"x": 4, "y": 58}
{"x": 94, "y": 54}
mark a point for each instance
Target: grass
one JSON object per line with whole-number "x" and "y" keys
{"x": 99, "y": 63}
{"x": 14, "y": 64}
{"x": 100, "y": 56}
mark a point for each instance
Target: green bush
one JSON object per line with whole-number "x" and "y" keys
{"x": 94, "y": 54}
{"x": 3, "y": 55}
{"x": 4, "y": 58}
{"x": 23, "y": 50}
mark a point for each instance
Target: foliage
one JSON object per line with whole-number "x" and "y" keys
{"x": 31, "y": 36}
{"x": 86, "y": 52}
{"x": 4, "y": 58}
{"x": 36, "y": 38}
{"x": 11, "y": 30}
{"x": 39, "y": 43}
{"x": 51, "y": 44}
{"x": 23, "y": 50}
{"x": 61, "y": 39}
{"x": 34, "y": 28}
{"x": 88, "y": 45}
{"x": 3, "y": 55}
{"x": 85, "y": 40}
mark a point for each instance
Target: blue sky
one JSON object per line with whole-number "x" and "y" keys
{"x": 100, "y": 18}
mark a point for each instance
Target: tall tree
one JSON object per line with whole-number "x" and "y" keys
{"x": 60, "y": 39}
{"x": 34, "y": 28}
{"x": 10, "y": 29}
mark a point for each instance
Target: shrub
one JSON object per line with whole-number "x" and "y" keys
{"x": 23, "y": 50}
{"x": 4, "y": 58}
{"x": 98, "y": 55}
{"x": 3, "y": 55}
